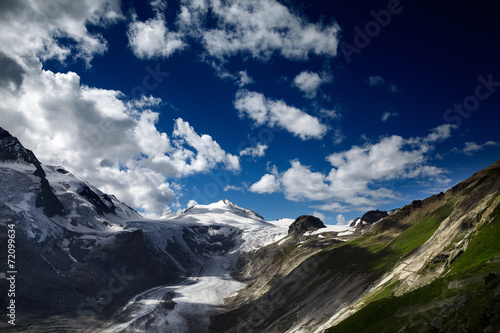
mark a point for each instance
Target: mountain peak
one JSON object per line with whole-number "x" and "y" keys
{"x": 11, "y": 150}
{"x": 305, "y": 223}
{"x": 4, "y": 134}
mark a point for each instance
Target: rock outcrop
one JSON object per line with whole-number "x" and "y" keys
{"x": 305, "y": 223}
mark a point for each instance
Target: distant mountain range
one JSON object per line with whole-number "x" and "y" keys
{"x": 86, "y": 262}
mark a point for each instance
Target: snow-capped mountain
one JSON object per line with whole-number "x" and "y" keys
{"x": 74, "y": 239}
{"x": 84, "y": 261}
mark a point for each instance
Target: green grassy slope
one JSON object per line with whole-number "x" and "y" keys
{"x": 466, "y": 299}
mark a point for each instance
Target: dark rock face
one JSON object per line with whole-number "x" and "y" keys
{"x": 368, "y": 218}
{"x": 95, "y": 200}
{"x": 12, "y": 150}
{"x": 374, "y": 216}
{"x": 48, "y": 201}
{"x": 305, "y": 223}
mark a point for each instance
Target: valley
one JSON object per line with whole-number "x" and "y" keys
{"x": 89, "y": 263}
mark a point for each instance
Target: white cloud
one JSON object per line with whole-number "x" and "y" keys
{"x": 319, "y": 215}
{"x": 152, "y": 38}
{"x": 341, "y": 220}
{"x": 333, "y": 207}
{"x": 386, "y": 115}
{"x": 191, "y": 203}
{"x": 440, "y": 133}
{"x": 309, "y": 82}
{"x": 209, "y": 152}
{"x": 267, "y": 184}
{"x": 331, "y": 114}
{"x": 300, "y": 182}
{"x": 359, "y": 175}
{"x": 244, "y": 79}
{"x": 273, "y": 113}
{"x": 258, "y": 28}
{"x": 240, "y": 79}
{"x": 107, "y": 141}
{"x": 37, "y": 27}
{"x": 257, "y": 151}
{"x": 233, "y": 188}
{"x": 375, "y": 80}
{"x": 472, "y": 147}
{"x": 95, "y": 133}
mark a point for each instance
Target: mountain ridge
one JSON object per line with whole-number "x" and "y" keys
{"x": 406, "y": 252}
{"x": 95, "y": 263}
{"x": 92, "y": 256}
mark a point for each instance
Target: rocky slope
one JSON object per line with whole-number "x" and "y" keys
{"x": 432, "y": 265}
{"x": 81, "y": 254}
{"x": 87, "y": 262}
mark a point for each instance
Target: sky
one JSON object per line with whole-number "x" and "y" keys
{"x": 327, "y": 108}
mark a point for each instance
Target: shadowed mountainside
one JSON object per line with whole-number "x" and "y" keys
{"x": 426, "y": 267}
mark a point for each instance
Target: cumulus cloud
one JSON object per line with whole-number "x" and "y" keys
{"x": 341, "y": 220}
{"x": 267, "y": 184}
{"x": 208, "y": 151}
{"x": 191, "y": 203}
{"x": 440, "y": 133}
{"x": 309, "y": 82}
{"x": 152, "y": 38}
{"x": 358, "y": 175}
{"x": 258, "y": 28}
{"x": 11, "y": 73}
{"x": 98, "y": 134}
{"x": 319, "y": 215}
{"x": 257, "y": 151}
{"x": 272, "y": 113}
{"x": 108, "y": 141}
{"x": 45, "y": 24}
{"x": 333, "y": 207}
{"x": 301, "y": 183}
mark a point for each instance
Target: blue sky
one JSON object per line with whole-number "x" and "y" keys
{"x": 329, "y": 108}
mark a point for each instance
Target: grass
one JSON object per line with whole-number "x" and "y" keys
{"x": 386, "y": 291}
{"x": 386, "y": 249}
{"x": 423, "y": 306}
{"x": 412, "y": 238}
{"x": 483, "y": 247}
{"x": 481, "y": 300}
{"x": 283, "y": 254}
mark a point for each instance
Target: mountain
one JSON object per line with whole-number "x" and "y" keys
{"x": 431, "y": 266}
{"x": 86, "y": 262}
{"x": 81, "y": 254}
